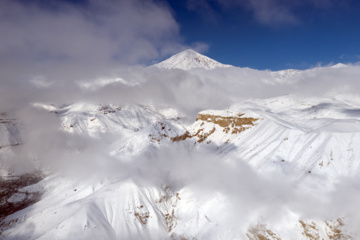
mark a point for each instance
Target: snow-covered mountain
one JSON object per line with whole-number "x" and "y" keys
{"x": 311, "y": 142}
{"x": 189, "y": 59}
{"x": 260, "y": 168}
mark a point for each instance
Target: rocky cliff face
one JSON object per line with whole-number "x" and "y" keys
{"x": 215, "y": 125}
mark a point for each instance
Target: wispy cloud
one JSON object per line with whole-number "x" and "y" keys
{"x": 268, "y": 12}
{"x": 204, "y": 9}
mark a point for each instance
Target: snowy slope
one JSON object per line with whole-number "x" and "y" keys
{"x": 260, "y": 169}
{"x": 134, "y": 127}
{"x": 189, "y": 59}
{"x": 311, "y": 142}
{"x": 96, "y": 209}
{"x": 286, "y": 135}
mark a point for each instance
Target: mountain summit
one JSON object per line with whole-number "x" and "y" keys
{"x": 189, "y": 59}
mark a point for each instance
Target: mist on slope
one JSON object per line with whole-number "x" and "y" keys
{"x": 190, "y": 92}
{"x": 48, "y": 72}
{"x": 250, "y": 195}
{"x": 247, "y": 197}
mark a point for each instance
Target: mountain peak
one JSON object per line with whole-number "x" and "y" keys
{"x": 191, "y": 51}
{"x": 339, "y": 65}
{"x": 190, "y": 59}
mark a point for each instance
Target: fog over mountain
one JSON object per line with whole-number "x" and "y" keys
{"x": 101, "y": 138}
{"x": 172, "y": 153}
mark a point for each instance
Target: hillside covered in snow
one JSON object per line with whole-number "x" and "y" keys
{"x": 210, "y": 152}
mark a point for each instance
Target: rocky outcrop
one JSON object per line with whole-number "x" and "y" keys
{"x": 207, "y": 123}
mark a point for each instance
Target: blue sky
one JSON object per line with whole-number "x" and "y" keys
{"x": 307, "y": 33}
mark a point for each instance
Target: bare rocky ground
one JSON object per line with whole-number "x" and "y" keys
{"x": 14, "y": 198}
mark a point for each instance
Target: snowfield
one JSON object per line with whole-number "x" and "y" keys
{"x": 284, "y": 167}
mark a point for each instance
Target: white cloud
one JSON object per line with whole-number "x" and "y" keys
{"x": 62, "y": 41}
{"x": 40, "y": 82}
{"x": 97, "y": 31}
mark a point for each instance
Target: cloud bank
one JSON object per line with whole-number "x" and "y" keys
{"x": 64, "y": 41}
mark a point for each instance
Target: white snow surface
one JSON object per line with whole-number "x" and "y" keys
{"x": 313, "y": 142}
{"x": 189, "y": 59}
